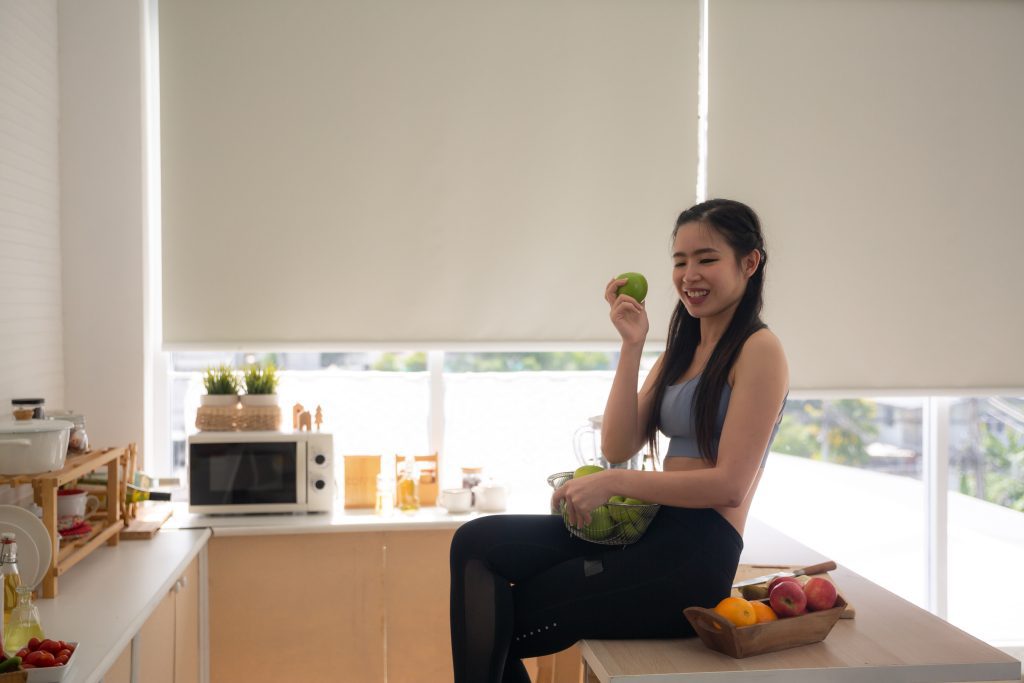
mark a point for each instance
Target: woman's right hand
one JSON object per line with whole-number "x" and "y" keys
{"x": 627, "y": 314}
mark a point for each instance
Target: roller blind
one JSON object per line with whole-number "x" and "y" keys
{"x": 882, "y": 144}
{"x": 407, "y": 172}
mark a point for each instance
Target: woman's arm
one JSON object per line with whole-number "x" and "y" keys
{"x": 623, "y": 426}
{"x": 759, "y": 389}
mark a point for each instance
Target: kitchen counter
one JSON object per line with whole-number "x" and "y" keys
{"x": 107, "y": 597}
{"x": 340, "y": 520}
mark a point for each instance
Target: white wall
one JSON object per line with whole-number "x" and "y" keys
{"x": 31, "y": 359}
{"x": 103, "y": 217}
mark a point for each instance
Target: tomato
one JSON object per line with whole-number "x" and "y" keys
{"x": 70, "y": 646}
{"x": 62, "y": 658}
{"x": 33, "y": 643}
{"x": 65, "y": 652}
{"x": 46, "y": 659}
{"x": 22, "y": 652}
{"x": 34, "y": 657}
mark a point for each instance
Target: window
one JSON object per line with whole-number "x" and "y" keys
{"x": 839, "y": 473}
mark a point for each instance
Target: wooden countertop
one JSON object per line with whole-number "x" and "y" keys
{"x": 889, "y": 640}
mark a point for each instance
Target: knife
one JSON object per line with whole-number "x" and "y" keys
{"x": 813, "y": 569}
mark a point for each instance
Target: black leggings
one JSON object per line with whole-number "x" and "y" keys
{"x": 522, "y": 586}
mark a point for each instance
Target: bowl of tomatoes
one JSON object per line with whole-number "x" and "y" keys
{"x": 47, "y": 660}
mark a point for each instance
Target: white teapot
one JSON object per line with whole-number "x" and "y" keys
{"x": 490, "y": 497}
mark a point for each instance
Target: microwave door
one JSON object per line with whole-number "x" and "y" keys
{"x": 232, "y": 475}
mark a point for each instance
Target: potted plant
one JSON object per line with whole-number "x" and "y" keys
{"x": 260, "y": 386}
{"x": 221, "y": 386}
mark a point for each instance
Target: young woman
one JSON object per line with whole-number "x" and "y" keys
{"x": 523, "y": 587}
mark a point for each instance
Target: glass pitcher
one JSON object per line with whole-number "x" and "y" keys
{"x": 24, "y": 624}
{"x": 586, "y": 444}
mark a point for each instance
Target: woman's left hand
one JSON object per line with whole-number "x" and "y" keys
{"x": 582, "y": 495}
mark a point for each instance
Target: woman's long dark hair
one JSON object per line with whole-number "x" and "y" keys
{"x": 739, "y": 226}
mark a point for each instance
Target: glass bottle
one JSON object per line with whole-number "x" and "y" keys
{"x": 134, "y": 494}
{"x": 385, "y": 504}
{"x": 24, "y": 624}
{"x": 9, "y": 570}
{"x": 409, "y": 486}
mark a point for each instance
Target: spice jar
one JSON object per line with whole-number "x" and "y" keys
{"x": 78, "y": 440}
{"x": 36, "y": 404}
{"x": 472, "y": 476}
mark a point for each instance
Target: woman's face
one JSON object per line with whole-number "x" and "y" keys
{"x": 707, "y": 278}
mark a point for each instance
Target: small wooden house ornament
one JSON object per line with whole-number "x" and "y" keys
{"x": 296, "y": 412}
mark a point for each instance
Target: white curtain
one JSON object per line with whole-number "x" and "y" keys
{"x": 883, "y": 145}
{"x": 398, "y": 172}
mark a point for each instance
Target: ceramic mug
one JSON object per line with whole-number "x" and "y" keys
{"x": 490, "y": 497}
{"x": 73, "y": 507}
{"x": 456, "y": 500}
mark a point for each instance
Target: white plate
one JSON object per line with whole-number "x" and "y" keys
{"x": 35, "y": 549}
{"x": 52, "y": 674}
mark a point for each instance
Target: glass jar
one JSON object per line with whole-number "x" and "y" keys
{"x": 78, "y": 440}
{"x": 35, "y": 404}
{"x": 472, "y": 476}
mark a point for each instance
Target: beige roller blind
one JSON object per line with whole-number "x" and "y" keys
{"x": 407, "y": 172}
{"x": 882, "y": 143}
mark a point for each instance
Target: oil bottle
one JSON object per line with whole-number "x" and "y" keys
{"x": 409, "y": 486}
{"x": 9, "y": 571}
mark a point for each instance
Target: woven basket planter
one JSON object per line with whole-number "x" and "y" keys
{"x": 238, "y": 418}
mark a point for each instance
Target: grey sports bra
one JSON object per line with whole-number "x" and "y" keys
{"x": 677, "y": 420}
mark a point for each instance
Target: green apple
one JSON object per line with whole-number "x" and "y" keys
{"x": 601, "y": 524}
{"x": 636, "y": 286}
{"x": 634, "y": 515}
{"x": 619, "y": 513}
{"x": 630, "y": 531}
{"x": 586, "y": 469}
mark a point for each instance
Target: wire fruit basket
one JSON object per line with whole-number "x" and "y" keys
{"x": 611, "y": 523}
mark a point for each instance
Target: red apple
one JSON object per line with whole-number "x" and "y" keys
{"x": 787, "y": 599}
{"x": 781, "y": 579}
{"x": 821, "y": 594}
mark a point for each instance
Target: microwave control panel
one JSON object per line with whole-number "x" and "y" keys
{"x": 320, "y": 470}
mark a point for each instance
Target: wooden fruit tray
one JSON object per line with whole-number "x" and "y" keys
{"x": 718, "y": 633}
{"x": 105, "y": 524}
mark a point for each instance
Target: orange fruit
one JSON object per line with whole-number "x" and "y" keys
{"x": 737, "y": 610}
{"x": 763, "y": 612}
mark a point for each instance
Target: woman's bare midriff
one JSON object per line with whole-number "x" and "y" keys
{"x": 737, "y": 516}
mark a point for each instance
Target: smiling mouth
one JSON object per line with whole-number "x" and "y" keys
{"x": 695, "y": 295}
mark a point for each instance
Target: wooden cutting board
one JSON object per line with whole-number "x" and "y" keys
{"x": 749, "y": 571}
{"x": 149, "y": 520}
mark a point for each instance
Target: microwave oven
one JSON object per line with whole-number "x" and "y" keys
{"x": 260, "y": 472}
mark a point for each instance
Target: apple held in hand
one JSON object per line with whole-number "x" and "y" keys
{"x": 636, "y": 286}
{"x": 821, "y": 594}
{"x": 787, "y": 599}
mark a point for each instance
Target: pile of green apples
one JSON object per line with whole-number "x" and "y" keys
{"x": 608, "y": 520}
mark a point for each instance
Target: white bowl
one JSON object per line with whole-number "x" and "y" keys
{"x": 33, "y": 446}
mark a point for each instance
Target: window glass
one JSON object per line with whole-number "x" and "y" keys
{"x": 844, "y": 478}
{"x": 373, "y": 403}
{"x": 523, "y": 416}
{"x": 986, "y": 517}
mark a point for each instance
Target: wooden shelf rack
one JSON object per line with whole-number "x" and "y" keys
{"x": 106, "y": 524}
